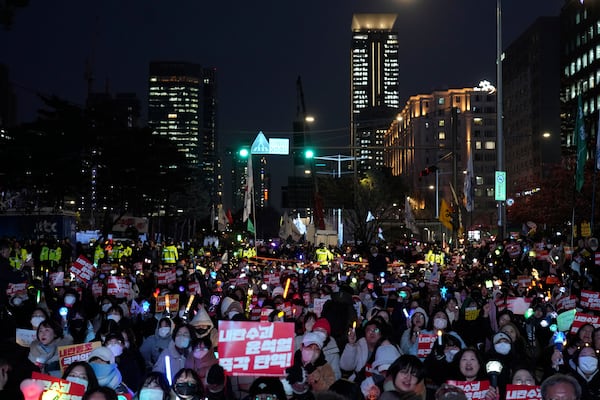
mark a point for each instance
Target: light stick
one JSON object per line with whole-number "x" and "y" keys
{"x": 168, "y": 369}
{"x": 287, "y": 287}
{"x": 439, "y": 333}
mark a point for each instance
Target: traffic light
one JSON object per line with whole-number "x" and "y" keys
{"x": 244, "y": 152}
{"x": 309, "y": 154}
{"x": 429, "y": 170}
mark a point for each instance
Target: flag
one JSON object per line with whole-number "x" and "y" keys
{"x": 598, "y": 145}
{"x": 229, "y": 217}
{"x": 370, "y": 217}
{"x": 580, "y": 141}
{"x": 249, "y": 191}
{"x": 446, "y": 215}
{"x": 468, "y": 185}
{"x": 409, "y": 218}
{"x": 222, "y": 218}
{"x": 250, "y": 227}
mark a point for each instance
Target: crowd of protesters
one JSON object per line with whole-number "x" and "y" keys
{"x": 363, "y": 341}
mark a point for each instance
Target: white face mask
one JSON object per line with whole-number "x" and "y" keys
{"x": 450, "y": 354}
{"x": 116, "y": 349}
{"x": 36, "y": 321}
{"x": 182, "y": 342}
{"x": 308, "y": 355}
{"x": 164, "y": 331}
{"x": 69, "y": 300}
{"x": 76, "y": 379}
{"x": 151, "y": 394}
{"x": 502, "y": 348}
{"x": 114, "y": 317}
{"x": 588, "y": 364}
{"x": 440, "y": 323}
{"x": 200, "y": 353}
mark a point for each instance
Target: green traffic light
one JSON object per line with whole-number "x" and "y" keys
{"x": 244, "y": 153}
{"x": 309, "y": 154}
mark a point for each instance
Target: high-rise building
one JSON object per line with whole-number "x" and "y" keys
{"x": 531, "y": 101}
{"x": 375, "y": 88}
{"x": 182, "y": 106}
{"x": 580, "y": 71}
{"x": 8, "y": 100}
{"x": 434, "y": 130}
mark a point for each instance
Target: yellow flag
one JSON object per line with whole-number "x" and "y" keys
{"x": 446, "y": 215}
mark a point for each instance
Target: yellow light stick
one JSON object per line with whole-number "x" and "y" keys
{"x": 287, "y": 287}
{"x": 354, "y": 325}
{"x": 189, "y": 304}
{"x": 439, "y": 333}
{"x": 167, "y": 304}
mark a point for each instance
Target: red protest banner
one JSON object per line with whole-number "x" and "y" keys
{"x": 425, "y": 344}
{"x": 271, "y": 279}
{"x": 194, "y": 288}
{"x": 83, "y": 269}
{"x": 238, "y": 281}
{"x": 581, "y": 319}
{"x": 16, "y": 288}
{"x": 474, "y": 389}
{"x": 165, "y": 277}
{"x": 590, "y": 300}
{"x": 57, "y": 279}
{"x": 56, "y": 388}
{"x": 566, "y": 303}
{"x": 523, "y": 392}
{"x": 67, "y": 355}
{"x": 161, "y": 303}
{"x": 255, "y": 348}
{"x": 117, "y": 286}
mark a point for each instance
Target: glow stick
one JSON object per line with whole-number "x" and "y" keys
{"x": 168, "y": 369}
{"x": 439, "y": 333}
{"x": 354, "y": 325}
{"x": 189, "y": 304}
{"x": 287, "y": 287}
{"x": 39, "y": 296}
{"x": 167, "y": 303}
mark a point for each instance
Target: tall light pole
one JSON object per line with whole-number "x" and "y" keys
{"x": 499, "y": 112}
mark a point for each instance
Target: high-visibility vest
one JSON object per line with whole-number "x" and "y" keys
{"x": 44, "y": 253}
{"x": 169, "y": 255}
{"x": 55, "y": 254}
{"x": 323, "y": 255}
{"x": 98, "y": 254}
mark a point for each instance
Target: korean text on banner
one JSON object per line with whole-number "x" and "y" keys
{"x": 473, "y": 389}
{"x": 425, "y": 344}
{"x": 56, "y": 388}
{"x": 67, "y": 355}
{"x": 255, "y": 348}
{"x": 523, "y": 392}
{"x": 83, "y": 269}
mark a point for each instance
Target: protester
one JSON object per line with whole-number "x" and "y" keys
{"x": 82, "y": 373}
{"x": 154, "y": 387}
{"x": 187, "y": 385}
{"x": 43, "y": 352}
{"x": 176, "y": 352}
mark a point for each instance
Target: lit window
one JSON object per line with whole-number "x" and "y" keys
{"x": 441, "y": 135}
{"x": 478, "y": 121}
{"x": 441, "y": 122}
{"x": 478, "y": 145}
{"x": 489, "y": 145}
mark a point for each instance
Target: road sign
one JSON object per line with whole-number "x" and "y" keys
{"x": 260, "y": 144}
{"x": 500, "y": 189}
{"x": 279, "y": 146}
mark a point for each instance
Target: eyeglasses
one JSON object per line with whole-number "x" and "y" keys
{"x": 524, "y": 382}
{"x": 413, "y": 374}
{"x": 372, "y": 330}
{"x": 265, "y": 396}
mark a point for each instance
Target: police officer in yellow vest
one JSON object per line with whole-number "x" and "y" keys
{"x": 18, "y": 256}
{"x": 249, "y": 252}
{"x": 54, "y": 254}
{"x": 98, "y": 253}
{"x": 323, "y": 255}
{"x": 170, "y": 254}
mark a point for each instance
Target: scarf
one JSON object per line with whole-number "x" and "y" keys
{"x": 107, "y": 374}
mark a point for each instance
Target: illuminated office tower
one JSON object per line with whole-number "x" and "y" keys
{"x": 375, "y": 88}
{"x": 182, "y": 106}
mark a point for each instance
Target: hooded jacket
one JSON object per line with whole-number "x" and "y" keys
{"x": 154, "y": 345}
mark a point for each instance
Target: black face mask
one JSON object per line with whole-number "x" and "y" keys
{"x": 186, "y": 389}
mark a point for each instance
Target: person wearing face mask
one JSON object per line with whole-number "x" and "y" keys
{"x": 202, "y": 357}
{"x": 154, "y": 345}
{"x": 502, "y": 351}
{"x": 102, "y": 361}
{"x": 310, "y": 370}
{"x": 155, "y": 387}
{"x": 82, "y": 373}
{"x": 186, "y": 385}
{"x": 177, "y": 351}
{"x": 410, "y": 338}
{"x": 586, "y": 373}
{"x": 204, "y": 325}
{"x": 38, "y": 316}
{"x": 131, "y": 369}
{"x": 439, "y": 362}
{"x": 231, "y": 309}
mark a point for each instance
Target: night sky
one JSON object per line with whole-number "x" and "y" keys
{"x": 258, "y": 48}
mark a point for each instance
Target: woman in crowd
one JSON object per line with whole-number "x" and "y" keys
{"x": 154, "y": 387}
{"x": 586, "y": 372}
{"x": 82, "y": 373}
{"x": 186, "y": 385}
{"x": 155, "y": 344}
{"x": 468, "y": 366}
{"x": 407, "y": 374}
{"x": 132, "y": 368}
{"x": 177, "y": 351}
{"x": 102, "y": 361}
{"x": 201, "y": 358}
{"x": 43, "y": 352}
{"x": 410, "y": 338}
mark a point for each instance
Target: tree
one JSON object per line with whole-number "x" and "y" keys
{"x": 376, "y": 193}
